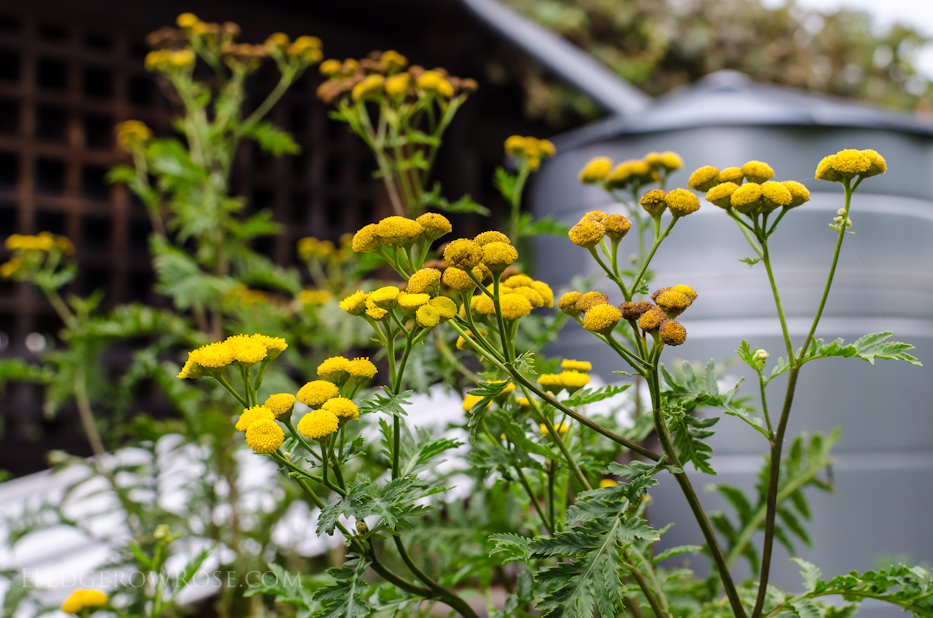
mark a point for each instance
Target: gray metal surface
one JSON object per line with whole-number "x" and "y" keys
{"x": 884, "y": 485}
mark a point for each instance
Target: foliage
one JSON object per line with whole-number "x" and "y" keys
{"x": 660, "y": 46}
{"x": 543, "y": 488}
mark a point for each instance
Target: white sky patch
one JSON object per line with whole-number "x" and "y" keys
{"x": 917, "y": 14}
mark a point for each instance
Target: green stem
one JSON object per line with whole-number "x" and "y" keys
{"x": 291, "y": 428}
{"x": 832, "y": 268}
{"x": 531, "y": 496}
{"x": 439, "y": 592}
{"x": 766, "y": 258}
{"x": 656, "y": 607}
{"x": 223, "y": 382}
{"x": 699, "y": 514}
{"x": 657, "y": 243}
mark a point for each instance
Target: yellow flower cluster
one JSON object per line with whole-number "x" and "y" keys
{"x": 593, "y": 226}
{"x": 243, "y": 349}
{"x": 561, "y": 429}
{"x": 529, "y": 150}
{"x": 170, "y": 61}
{"x": 632, "y": 173}
{"x": 758, "y": 194}
{"x": 570, "y": 380}
{"x": 394, "y": 232}
{"x": 43, "y": 241}
{"x": 314, "y": 297}
{"x": 381, "y": 77}
{"x": 847, "y": 164}
{"x": 312, "y": 248}
{"x": 83, "y": 599}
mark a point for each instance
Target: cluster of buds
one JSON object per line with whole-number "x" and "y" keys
{"x": 383, "y": 76}
{"x": 528, "y": 151}
{"x": 632, "y": 173}
{"x": 596, "y": 314}
{"x": 176, "y": 50}
{"x": 748, "y": 190}
{"x": 841, "y": 219}
{"x": 31, "y": 253}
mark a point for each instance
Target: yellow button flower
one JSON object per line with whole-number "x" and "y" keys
{"x": 280, "y": 404}
{"x": 589, "y": 300}
{"x": 616, "y": 226}
{"x": 469, "y": 401}
{"x": 411, "y": 302}
{"x": 878, "y": 164}
{"x": 434, "y": 225}
{"x": 318, "y": 424}
{"x": 427, "y": 317}
{"x": 550, "y": 382}
{"x": 747, "y": 199}
{"x": 595, "y": 170}
{"x": 422, "y": 280}
{"x": 673, "y": 302}
{"x": 850, "y": 163}
{"x": 575, "y": 365}
{"x": 370, "y": 89}
{"x": 342, "y": 408}
{"x": 682, "y": 202}
{"x": 774, "y": 195}
{"x": 264, "y": 436}
{"x": 586, "y": 234}
{"x": 574, "y": 380}
{"x": 186, "y": 21}
{"x": 246, "y": 350}
{"x": 517, "y": 281}
{"x": 651, "y": 319}
{"x": 214, "y": 355}
{"x": 445, "y": 307}
{"x": 366, "y": 239}
{"x": 561, "y": 429}
{"x": 568, "y": 303}
{"x": 251, "y": 415}
{"x": 85, "y": 599}
{"x": 731, "y": 174}
{"x": 704, "y": 178}
{"x": 361, "y": 369}
{"x": 654, "y": 202}
{"x": 601, "y": 319}
{"x": 384, "y": 297}
{"x": 799, "y": 193}
{"x": 457, "y": 279}
{"x": 464, "y": 254}
{"x": 604, "y": 483}
{"x": 672, "y": 333}
{"x": 514, "y": 306}
{"x": 484, "y": 238}
{"x": 334, "y": 369}
{"x": 498, "y": 255}
{"x": 721, "y": 194}
{"x": 533, "y": 297}
{"x": 482, "y": 305}
{"x": 756, "y": 171}
{"x": 315, "y": 393}
{"x": 398, "y": 231}
{"x": 398, "y": 85}
{"x": 545, "y": 291}
{"x": 686, "y": 289}
{"x": 433, "y": 81}
{"x": 668, "y": 160}
{"x": 330, "y": 67}
{"x": 391, "y": 61}
{"x": 355, "y": 304}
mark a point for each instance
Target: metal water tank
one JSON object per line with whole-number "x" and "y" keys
{"x": 883, "y": 467}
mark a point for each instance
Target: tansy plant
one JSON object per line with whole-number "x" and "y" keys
{"x": 584, "y": 543}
